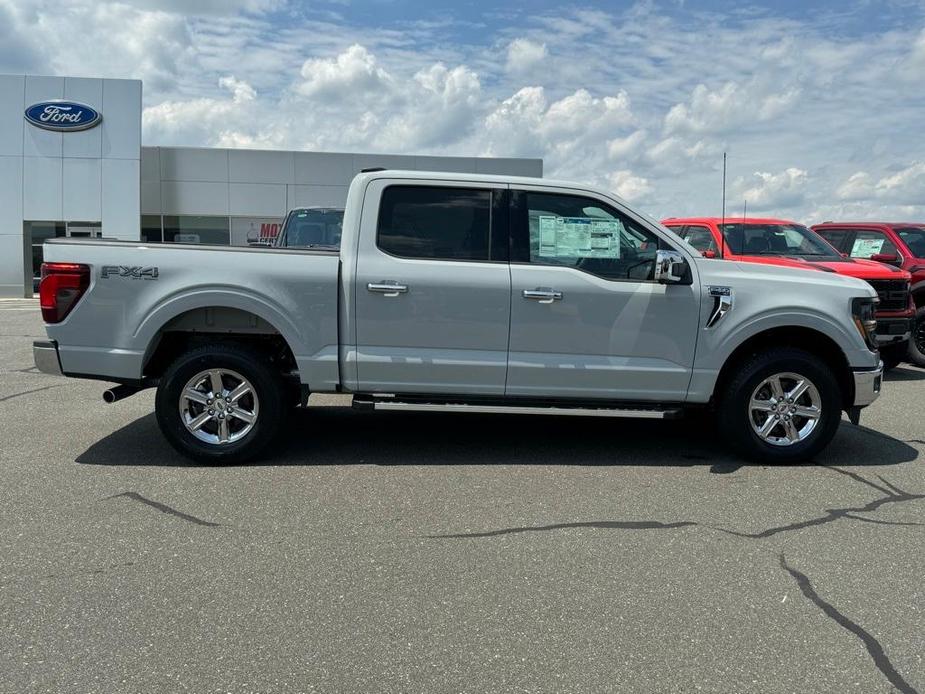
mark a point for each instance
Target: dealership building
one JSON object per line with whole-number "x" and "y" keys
{"x": 72, "y": 164}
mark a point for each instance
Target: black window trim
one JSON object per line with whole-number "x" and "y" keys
{"x": 503, "y": 193}
{"x": 520, "y": 231}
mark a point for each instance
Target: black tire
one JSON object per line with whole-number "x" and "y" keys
{"x": 894, "y": 355}
{"x": 736, "y": 420}
{"x": 268, "y": 389}
{"x": 916, "y": 353}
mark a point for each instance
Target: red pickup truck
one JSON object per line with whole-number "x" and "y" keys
{"x": 782, "y": 242}
{"x": 895, "y": 243}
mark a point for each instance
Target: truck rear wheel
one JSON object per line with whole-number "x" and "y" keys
{"x": 782, "y": 405}
{"x": 220, "y": 404}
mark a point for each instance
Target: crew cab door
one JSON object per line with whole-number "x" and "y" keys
{"x": 433, "y": 288}
{"x": 587, "y": 318}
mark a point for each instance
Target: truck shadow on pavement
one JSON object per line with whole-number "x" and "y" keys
{"x": 341, "y": 436}
{"x": 903, "y": 373}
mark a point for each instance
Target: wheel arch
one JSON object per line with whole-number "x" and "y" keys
{"x": 179, "y": 330}
{"x": 808, "y": 339}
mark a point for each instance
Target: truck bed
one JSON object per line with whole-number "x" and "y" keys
{"x": 139, "y": 290}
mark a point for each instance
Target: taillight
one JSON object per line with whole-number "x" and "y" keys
{"x": 61, "y": 288}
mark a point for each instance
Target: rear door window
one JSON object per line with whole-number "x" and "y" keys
{"x": 435, "y": 223}
{"x": 840, "y": 238}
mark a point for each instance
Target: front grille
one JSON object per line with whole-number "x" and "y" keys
{"x": 894, "y": 294}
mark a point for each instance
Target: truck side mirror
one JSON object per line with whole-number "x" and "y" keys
{"x": 884, "y": 257}
{"x": 671, "y": 268}
{"x": 709, "y": 253}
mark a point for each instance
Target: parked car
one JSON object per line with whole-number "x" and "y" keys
{"x": 785, "y": 243}
{"x": 899, "y": 244}
{"x": 464, "y": 293}
{"x": 311, "y": 227}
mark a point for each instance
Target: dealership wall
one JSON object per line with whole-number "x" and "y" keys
{"x": 89, "y": 176}
{"x": 251, "y": 188}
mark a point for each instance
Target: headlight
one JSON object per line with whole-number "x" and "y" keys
{"x": 863, "y": 312}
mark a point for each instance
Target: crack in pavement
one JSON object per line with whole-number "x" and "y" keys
{"x": 892, "y": 495}
{"x": 874, "y": 648}
{"x": 612, "y": 525}
{"x": 164, "y": 508}
{"x": 27, "y": 392}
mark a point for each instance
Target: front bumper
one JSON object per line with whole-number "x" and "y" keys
{"x": 45, "y": 354}
{"x": 867, "y": 385}
{"x": 893, "y": 331}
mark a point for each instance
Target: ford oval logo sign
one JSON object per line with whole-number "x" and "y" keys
{"x": 62, "y": 115}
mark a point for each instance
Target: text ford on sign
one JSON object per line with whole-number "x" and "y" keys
{"x": 62, "y": 115}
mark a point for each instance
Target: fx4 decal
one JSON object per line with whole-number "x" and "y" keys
{"x": 136, "y": 272}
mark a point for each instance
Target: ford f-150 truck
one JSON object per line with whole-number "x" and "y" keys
{"x": 464, "y": 293}
{"x": 786, "y": 243}
{"x": 896, "y": 243}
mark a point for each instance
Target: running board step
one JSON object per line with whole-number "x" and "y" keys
{"x": 558, "y": 411}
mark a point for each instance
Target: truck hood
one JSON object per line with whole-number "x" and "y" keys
{"x": 736, "y": 272}
{"x": 850, "y": 267}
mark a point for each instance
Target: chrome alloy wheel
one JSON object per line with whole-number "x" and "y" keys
{"x": 784, "y": 409}
{"x": 219, "y": 406}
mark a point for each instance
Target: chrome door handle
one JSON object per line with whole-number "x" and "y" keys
{"x": 387, "y": 288}
{"x": 542, "y": 295}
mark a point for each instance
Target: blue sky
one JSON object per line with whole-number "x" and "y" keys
{"x": 818, "y": 104}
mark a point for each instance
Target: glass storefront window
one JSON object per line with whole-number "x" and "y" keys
{"x": 190, "y": 229}
{"x": 151, "y": 228}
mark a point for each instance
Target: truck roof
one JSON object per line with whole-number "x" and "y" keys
{"x": 485, "y": 178}
{"x": 892, "y": 225}
{"x": 727, "y": 220}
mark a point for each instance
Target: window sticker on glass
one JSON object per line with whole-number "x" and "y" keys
{"x": 579, "y": 237}
{"x": 865, "y": 248}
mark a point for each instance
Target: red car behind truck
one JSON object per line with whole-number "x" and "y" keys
{"x": 787, "y": 243}
{"x": 896, "y": 243}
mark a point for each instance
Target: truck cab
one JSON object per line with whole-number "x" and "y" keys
{"x": 900, "y": 244}
{"x": 789, "y": 244}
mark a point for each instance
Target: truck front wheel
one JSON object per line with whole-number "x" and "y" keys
{"x": 917, "y": 342}
{"x": 220, "y": 404}
{"x": 782, "y": 405}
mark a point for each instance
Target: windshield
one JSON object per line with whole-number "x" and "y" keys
{"x": 311, "y": 228}
{"x": 914, "y": 237}
{"x": 776, "y": 239}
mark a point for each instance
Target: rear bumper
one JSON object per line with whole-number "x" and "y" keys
{"x": 867, "y": 385}
{"x": 893, "y": 331}
{"x": 45, "y": 354}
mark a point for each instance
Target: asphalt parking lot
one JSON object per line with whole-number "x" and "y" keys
{"x": 404, "y": 552}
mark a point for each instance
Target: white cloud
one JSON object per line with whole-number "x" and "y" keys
{"x": 905, "y": 187}
{"x": 629, "y": 186}
{"x": 353, "y": 72}
{"x": 782, "y": 190}
{"x": 523, "y": 55}
{"x": 824, "y": 121}
{"x": 711, "y": 110}
{"x": 858, "y": 187}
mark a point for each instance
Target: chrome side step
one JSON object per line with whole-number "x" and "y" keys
{"x": 558, "y": 411}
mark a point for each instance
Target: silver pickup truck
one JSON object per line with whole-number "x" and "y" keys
{"x": 464, "y": 293}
